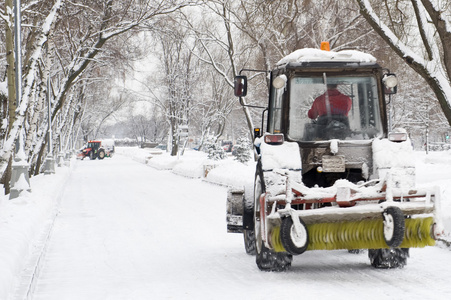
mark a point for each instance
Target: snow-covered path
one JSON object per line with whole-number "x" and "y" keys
{"x": 128, "y": 231}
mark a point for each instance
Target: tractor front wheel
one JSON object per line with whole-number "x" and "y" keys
{"x": 266, "y": 259}
{"x": 249, "y": 241}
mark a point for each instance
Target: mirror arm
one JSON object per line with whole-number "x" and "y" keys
{"x": 251, "y": 106}
{"x": 241, "y": 98}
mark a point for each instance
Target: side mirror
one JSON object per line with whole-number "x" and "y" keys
{"x": 390, "y": 84}
{"x": 240, "y": 86}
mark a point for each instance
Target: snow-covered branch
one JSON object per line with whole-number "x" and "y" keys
{"x": 8, "y": 145}
{"x": 435, "y": 69}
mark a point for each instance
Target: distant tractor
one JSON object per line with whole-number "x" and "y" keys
{"x": 94, "y": 149}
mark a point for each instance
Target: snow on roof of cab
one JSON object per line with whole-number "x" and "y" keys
{"x": 313, "y": 55}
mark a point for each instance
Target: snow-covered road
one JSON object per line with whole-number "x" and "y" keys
{"x": 128, "y": 231}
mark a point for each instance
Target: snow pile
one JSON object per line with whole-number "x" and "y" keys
{"x": 388, "y": 154}
{"x": 395, "y": 162}
{"x": 186, "y": 168}
{"x": 439, "y": 160}
{"x": 232, "y": 173}
{"x": 138, "y": 154}
{"x": 433, "y": 170}
{"x": 312, "y": 55}
{"x": 22, "y": 220}
{"x": 194, "y": 164}
{"x": 144, "y": 155}
{"x": 285, "y": 156}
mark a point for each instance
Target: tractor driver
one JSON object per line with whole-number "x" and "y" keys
{"x": 332, "y": 102}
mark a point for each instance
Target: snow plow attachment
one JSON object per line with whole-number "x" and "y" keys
{"x": 344, "y": 216}
{"x": 366, "y": 234}
{"x": 353, "y": 217}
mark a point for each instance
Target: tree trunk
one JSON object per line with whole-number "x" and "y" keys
{"x": 4, "y": 115}
{"x": 6, "y": 177}
{"x": 10, "y": 75}
{"x": 174, "y": 140}
{"x": 37, "y": 166}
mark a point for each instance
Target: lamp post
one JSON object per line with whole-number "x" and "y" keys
{"x": 20, "y": 180}
{"x": 49, "y": 163}
{"x": 17, "y": 41}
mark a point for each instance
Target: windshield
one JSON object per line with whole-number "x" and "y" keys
{"x": 334, "y": 107}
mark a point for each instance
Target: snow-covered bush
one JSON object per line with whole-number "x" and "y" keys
{"x": 215, "y": 152}
{"x": 242, "y": 153}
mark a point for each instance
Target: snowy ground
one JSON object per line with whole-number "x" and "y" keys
{"x": 125, "y": 230}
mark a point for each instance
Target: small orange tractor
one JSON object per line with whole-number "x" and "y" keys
{"x": 93, "y": 150}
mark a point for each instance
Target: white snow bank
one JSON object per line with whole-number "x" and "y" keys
{"x": 444, "y": 158}
{"x": 311, "y": 54}
{"x": 195, "y": 164}
{"x": 142, "y": 155}
{"x": 189, "y": 165}
{"x": 191, "y": 169}
{"x": 22, "y": 221}
{"x": 233, "y": 174}
{"x": 433, "y": 169}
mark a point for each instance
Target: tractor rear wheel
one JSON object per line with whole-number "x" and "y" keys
{"x": 101, "y": 154}
{"x": 388, "y": 258}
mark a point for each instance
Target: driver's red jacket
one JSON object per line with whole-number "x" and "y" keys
{"x": 339, "y": 104}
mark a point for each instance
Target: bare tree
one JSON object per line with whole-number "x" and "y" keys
{"x": 256, "y": 34}
{"x": 219, "y": 46}
{"x": 178, "y": 78}
{"x": 213, "y": 111}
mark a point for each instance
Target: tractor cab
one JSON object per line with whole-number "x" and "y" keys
{"x": 333, "y": 105}
{"x": 313, "y": 114}
{"x": 94, "y": 145}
